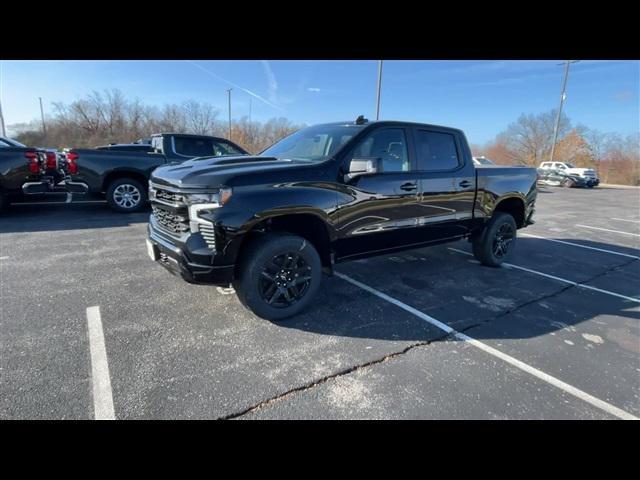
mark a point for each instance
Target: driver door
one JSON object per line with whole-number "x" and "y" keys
{"x": 384, "y": 206}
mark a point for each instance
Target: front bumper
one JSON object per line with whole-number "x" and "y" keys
{"x": 191, "y": 260}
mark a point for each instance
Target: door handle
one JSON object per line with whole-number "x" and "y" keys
{"x": 408, "y": 187}
{"x": 465, "y": 184}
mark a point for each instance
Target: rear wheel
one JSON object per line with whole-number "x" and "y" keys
{"x": 496, "y": 243}
{"x": 126, "y": 195}
{"x": 279, "y": 276}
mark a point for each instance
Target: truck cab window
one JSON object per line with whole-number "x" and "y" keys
{"x": 436, "y": 151}
{"x": 390, "y": 145}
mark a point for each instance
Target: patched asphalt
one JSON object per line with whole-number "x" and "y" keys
{"x": 177, "y": 350}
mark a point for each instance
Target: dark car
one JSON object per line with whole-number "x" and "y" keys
{"x": 120, "y": 172}
{"x": 270, "y": 224}
{"x": 28, "y": 171}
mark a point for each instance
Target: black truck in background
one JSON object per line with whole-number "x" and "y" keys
{"x": 121, "y": 172}
{"x": 28, "y": 171}
{"x": 271, "y": 224}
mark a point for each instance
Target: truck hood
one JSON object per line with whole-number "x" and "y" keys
{"x": 213, "y": 172}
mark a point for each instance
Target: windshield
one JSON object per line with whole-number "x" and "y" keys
{"x": 569, "y": 165}
{"x": 314, "y": 144}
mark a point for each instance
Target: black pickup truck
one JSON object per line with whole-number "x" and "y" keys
{"x": 121, "y": 172}
{"x": 271, "y": 224}
{"x": 32, "y": 171}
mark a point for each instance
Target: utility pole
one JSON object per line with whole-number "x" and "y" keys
{"x": 4, "y": 132}
{"x": 379, "y": 86}
{"x": 229, "y": 94}
{"x": 563, "y": 96}
{"x": 44, "y": 128}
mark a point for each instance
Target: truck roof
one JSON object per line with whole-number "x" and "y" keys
{"x": 394, "y": 122}
{"x": 188, "y": 135}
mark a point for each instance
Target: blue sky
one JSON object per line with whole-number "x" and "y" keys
{"x": 481, "y": 97}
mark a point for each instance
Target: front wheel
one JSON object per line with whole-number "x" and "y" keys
{"x": 568, "y": 183}
{"x": 279, "y": 276}
{"x": 496, "y": 243}
{"x": 126, "y": 195}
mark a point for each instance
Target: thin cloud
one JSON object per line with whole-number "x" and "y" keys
{"x": 624, "y": 96}
{"x": 272, "y": 83}
{"x": 313, "y": 89}
{"x": 235, "y": 85}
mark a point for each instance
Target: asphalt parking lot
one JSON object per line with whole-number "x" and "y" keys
{"x": 91, "y": 328}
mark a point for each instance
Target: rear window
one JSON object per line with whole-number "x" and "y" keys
{"x": 203, "y": 147}
{"x": 436, "y": 151}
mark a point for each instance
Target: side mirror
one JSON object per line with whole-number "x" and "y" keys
{"x": 363, "y": 166}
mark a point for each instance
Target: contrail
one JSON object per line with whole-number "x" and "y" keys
{"x": 218, "y": 77}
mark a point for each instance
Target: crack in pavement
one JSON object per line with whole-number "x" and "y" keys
{"x": 308, "y": 386}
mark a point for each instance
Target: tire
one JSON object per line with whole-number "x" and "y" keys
{"x": 126, "y": 195}
{"x": 267, "y": 276}
{"x": 568, "y": 183}
{"x": 501, "y": 228}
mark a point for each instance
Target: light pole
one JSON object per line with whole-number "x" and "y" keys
{"x": 229, "y": 94}
{"x": 562, "y": 98}
{"x": 44, "y": 128}
{"x": 379, "y": 86}
{"x": 4, "y": 132}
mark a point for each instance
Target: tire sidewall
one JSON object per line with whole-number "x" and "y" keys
{"x": 126, "y": 181}
{"x": 483, "y": 247}
{"x": 258, "y": 255}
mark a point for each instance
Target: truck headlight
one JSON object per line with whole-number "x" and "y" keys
{"x": 201, "y": 202}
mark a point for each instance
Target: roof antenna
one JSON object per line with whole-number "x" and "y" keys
{"x": 361, "y": 120}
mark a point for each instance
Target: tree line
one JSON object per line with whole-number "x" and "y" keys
{"x": 109, "y": 117}
{"x": 529, "y": 139}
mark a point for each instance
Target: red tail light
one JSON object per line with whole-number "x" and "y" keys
{"x": 52, "y": 162}
{"x": 34, "y": 163}
{"x": 72, "y": 162}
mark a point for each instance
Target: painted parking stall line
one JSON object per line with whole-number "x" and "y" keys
{"x": 100, "y": 378}
{"x": 625, "y": 220}
{"x": 596, "y": 402}
{"x": 4, "y": 258}
{"x": 579, "y": 245}
{"x": 559, "y": 279}
{"x": 608, "y": 230}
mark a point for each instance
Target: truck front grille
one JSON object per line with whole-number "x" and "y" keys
{"x": 171, "y": 222}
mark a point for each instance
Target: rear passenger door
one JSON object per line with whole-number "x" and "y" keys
{"x": 446, "y": 176}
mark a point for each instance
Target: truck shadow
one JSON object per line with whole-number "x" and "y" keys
{"x": 486, "y": 303}
{"x": 54, "y": 216}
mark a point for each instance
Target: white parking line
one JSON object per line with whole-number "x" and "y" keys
{"x": 578, "y": 245}
{"x": 4, "y": 258}
{"x": 102, "y": 396}
{"x": 625, "y": 220}
{"x": 596, "y": 402}
{"x": 607, "y": 230}
{"x": 563, "y": 280}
